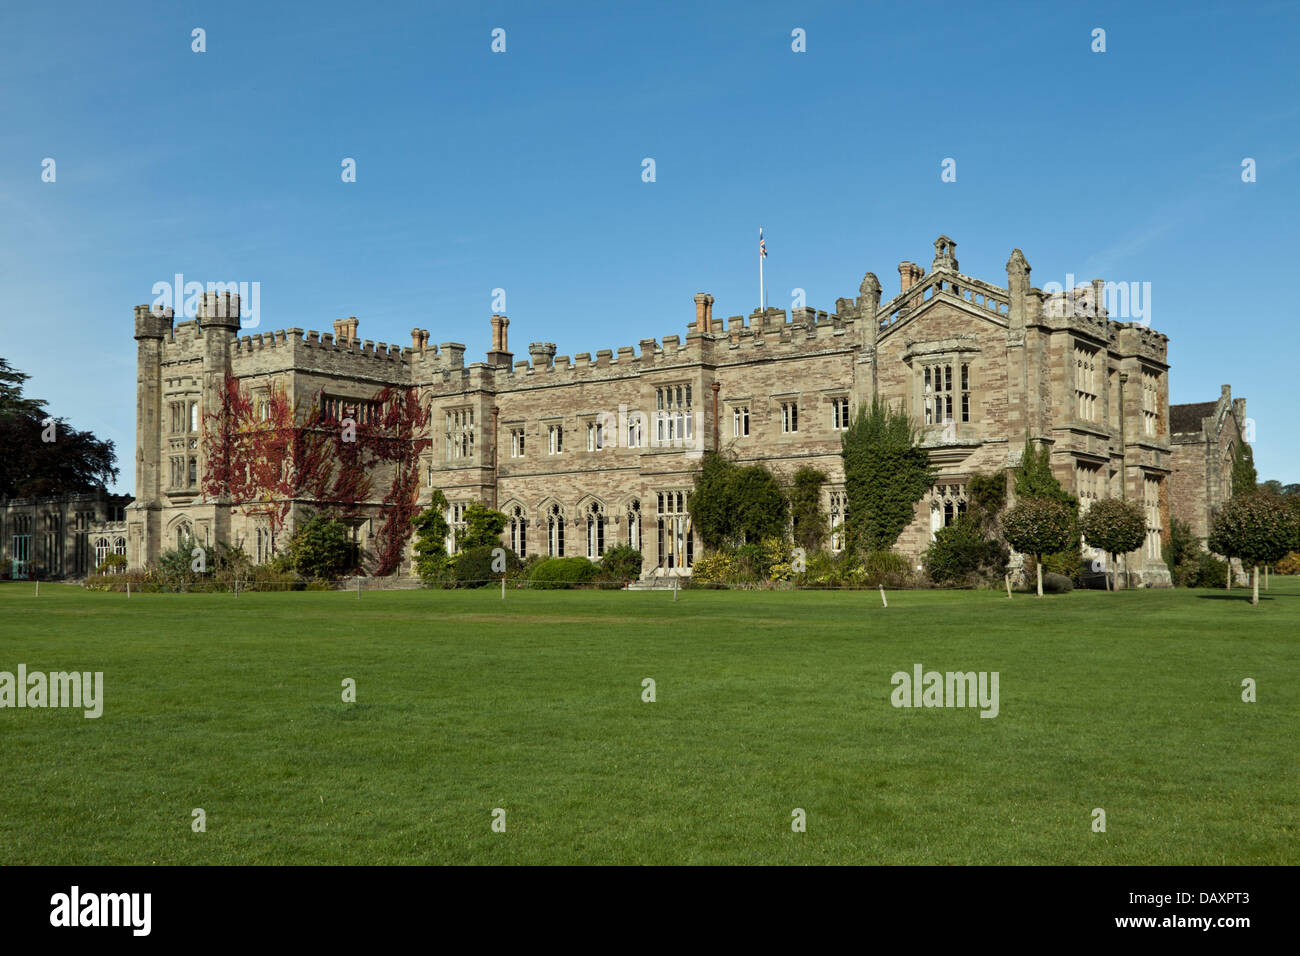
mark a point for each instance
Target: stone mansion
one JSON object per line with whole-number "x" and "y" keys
{"x": 584, "y": 452}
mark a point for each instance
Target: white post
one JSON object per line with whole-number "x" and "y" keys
{"x": 358, "y": 587}
{"x": 674, "y": 587}
{"x": 128, "y": 590}
{"x": 882, "y": 596}
{"x": 503, "y": 587}
{"x": 1007, "y": 578}
{"x": 38, "y": 588}
{"x": 236, "y": 588}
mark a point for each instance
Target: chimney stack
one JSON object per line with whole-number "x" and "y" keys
{"x": 345, "y": 331}
{"x": 500, "y": 354}
{"x": 701, "y": 311}
{"x": 909, "y": 274}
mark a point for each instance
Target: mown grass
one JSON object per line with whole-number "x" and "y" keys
{"x": 766, "y": 701}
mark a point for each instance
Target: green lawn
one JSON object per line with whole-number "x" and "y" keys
{"x": 767, "y": 701}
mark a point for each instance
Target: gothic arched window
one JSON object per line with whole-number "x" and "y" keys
{"x": 518, "y": 531}
{"x": 555, "y": 531}
{"x": 595, "y": 531}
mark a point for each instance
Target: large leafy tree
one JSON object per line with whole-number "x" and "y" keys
{"x": 1115, "y": 526}
{"x": 886, "y": 472}
{"x": 1039, "y": 526}
{"x": 1257, "y": 528}
{"x": 732, "y": 504}
{"x": 43, "y": 455}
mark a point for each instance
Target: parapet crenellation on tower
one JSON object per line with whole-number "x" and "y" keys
{"x": 584, "y": 451}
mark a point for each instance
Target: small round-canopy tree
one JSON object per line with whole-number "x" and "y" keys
{"x": 1038, "y": 526}
{"x": 1117, "y": 527}
{"x": 1258, "y": 529}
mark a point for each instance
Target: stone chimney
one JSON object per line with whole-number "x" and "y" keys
{"x": 909, "y": 274}
{"x": 345, "y": 331}
{"x": 500, "y": 354}
{"x": 701, "y": 311}
{"x": 543, "y": 354}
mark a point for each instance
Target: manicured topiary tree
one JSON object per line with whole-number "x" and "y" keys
{"x": 1117, "y": 527}
{"x": 1258, "y": 529}
{"x": 1038, "y": 526}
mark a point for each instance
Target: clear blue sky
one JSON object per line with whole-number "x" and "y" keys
{"x": 522, "y": 171}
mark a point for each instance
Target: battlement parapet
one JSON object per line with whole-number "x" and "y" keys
{"x": 153, "y": 324}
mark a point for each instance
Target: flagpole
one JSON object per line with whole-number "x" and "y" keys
{"x": 762, "y": 297}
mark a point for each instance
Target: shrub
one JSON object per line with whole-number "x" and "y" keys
{"x": 621, "y": 564}
{"x": 562, "y": 572}
{"x": 1181, "y": 552}
{"x": 472, "y": 568}
{"x": 1057, "y": 583}
{"x": 713, "y": 567}
{"x": 962, "y": 553}
{"x": 112, "y": 564}
{"x": 1068, "y": 563}
{"x": 1288, "y": 565}
{"x": 320, "y": 547}
{"x": 475, "y": 567}
{"x": 1208, "y": 572}
{"x": 888, "y": 569}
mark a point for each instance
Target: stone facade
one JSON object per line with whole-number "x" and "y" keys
{"x": 61, "y": 537}
{"x": 587, "y": 451}
{"x": 1205, "y": 438}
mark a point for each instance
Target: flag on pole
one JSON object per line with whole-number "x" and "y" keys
{"x": 762, "y": 245}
